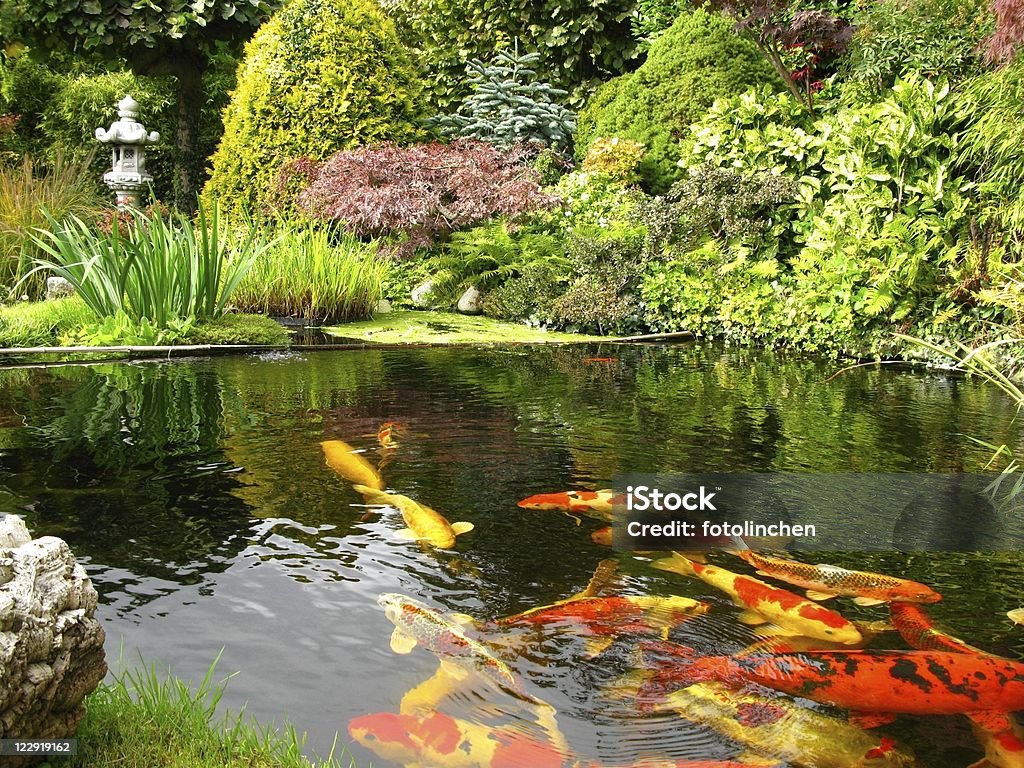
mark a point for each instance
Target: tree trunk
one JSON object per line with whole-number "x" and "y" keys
{"x": 187, "y": 64}
{"x": 188, "y": 163}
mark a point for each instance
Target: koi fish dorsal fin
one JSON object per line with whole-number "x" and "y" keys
{"x": 675, "y": 563}
{"x": 604, "y": 573}
{"x": 752, "y": 618}
{"x": 867, "y": 601}
{"x": 460, "y": 528}
{"x": 595, "y": 646}
{"x": 813, "y": 594}
{"x": 462, "y": 618}
{"x": 402, "y": 642}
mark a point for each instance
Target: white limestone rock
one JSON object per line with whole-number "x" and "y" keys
{"x": 51, "y": 644}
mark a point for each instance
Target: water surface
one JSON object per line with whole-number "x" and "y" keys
{"x": 196, "y": 494}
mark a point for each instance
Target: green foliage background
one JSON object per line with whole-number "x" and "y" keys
{"x": 577, "y": 42}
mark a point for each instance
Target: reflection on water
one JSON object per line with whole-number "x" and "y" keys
{"x": 197, "y": 495}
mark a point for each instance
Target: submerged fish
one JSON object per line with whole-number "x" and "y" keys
{"x": 896, "y": 682}
{"x": 593, "y": 503}
{"x": 386, "y": 433}
{"x": 1016, "y": 615}
{"x": 436, "y": 740}
{"x": 823, "y": 581}
{"x": 423, "y": 523}
{"x": 918, "y": 631}
{"x": 441, "y": 740}
{"x": 780, "y": 729}
{"x": 608, "y": 617}
{"x": 343, "y": 459}
{"x": 418, "y": 624}
{"x": 788, "y": 612}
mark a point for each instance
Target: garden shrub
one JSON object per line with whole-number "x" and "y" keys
{"x": 527, "y": 297}
{"x": 698, "y": 60}
{"x": 990, "y": 153}
{"x": 652, "y": 18}
{"x": 826, "y": 235}
{"x": 594, "y": 200}
{"x": 897, "y": 38}
{"x": 422, "y": 193}
{"x": 618, "y": 158}
{"x": 577, "y": 42}
{"x": 510, "y": 105}
{"x": 318, "y": 77}
{"x": 603, "y": 296}
{"x": 490, "y": 254}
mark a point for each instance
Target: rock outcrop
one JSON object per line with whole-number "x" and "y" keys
{"x": 51, "y": 644}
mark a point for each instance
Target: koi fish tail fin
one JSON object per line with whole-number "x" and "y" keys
{"x": 738, "y": 546}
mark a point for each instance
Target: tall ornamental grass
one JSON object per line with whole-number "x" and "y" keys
{"x": 162, "y": 268}
{"x": 66, "y": 187}
{"x": 318, "y": 274}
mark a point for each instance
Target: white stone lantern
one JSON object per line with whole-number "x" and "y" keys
{"x": 128, "y": 136}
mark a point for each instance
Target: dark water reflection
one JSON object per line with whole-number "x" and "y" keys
{"x": 197, "y": 495}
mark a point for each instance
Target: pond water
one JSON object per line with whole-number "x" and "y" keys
{"x": 197, "y": 496}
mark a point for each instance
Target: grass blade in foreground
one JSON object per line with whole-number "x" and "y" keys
{"x": 140, "y": 720}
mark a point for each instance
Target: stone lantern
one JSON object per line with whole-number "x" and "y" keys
{"x": 128, "y": 136}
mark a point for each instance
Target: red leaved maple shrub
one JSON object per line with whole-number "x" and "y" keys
{"x": 420, "y": 193}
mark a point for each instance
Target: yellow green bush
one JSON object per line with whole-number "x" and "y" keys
{"x": 320, "y": 76}
{"x": 699, "y": 59}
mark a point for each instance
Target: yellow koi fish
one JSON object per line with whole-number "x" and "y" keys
{"x": 424, "y": 523}
{"x": 780, "y": 729}
{"x": 790, "y": 613}
{"x": 1016, "y": 615}
{"x": 343, "y": 459}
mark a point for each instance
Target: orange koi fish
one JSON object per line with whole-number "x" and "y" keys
{"x": 424, "y": 523}
{"x": 440, "y": 740}
{"x": 343, "y": 459}
{"x": 824, "y": 581}
{"x": 386, "y": 433}
{"x": 896, "y": 682}
{"x": 602, "y": 619}
{"x": 918, "y": 631}
{"x": 1000, "y": 735}
{"x": 594, "y": 503}
{"x": 789, "y": 612}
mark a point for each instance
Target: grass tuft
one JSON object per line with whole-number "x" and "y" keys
{"x": 140, "y": 720}
{"x": 65, "y": 188}
{"x": 316, "y": 274}
{"x": 42, "y": 323}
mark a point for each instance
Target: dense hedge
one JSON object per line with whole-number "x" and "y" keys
{"x": 318, "y": 77}
{"x": 699, "y": 59}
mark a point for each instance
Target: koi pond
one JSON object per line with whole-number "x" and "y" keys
{"x": 197, "y": 495}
